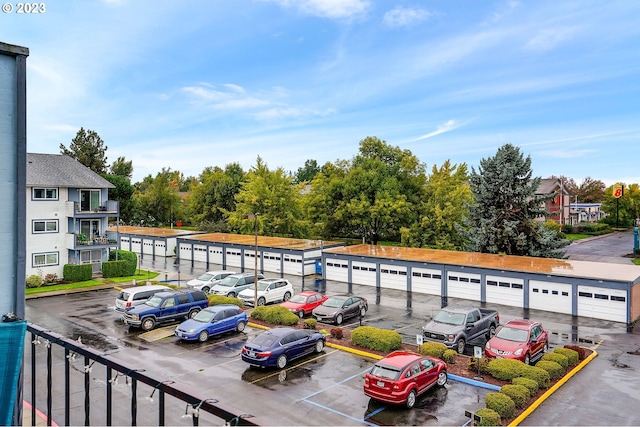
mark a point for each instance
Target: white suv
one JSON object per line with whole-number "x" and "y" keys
{"x": 269, "y": 290}
{"x": 209, "y": 280}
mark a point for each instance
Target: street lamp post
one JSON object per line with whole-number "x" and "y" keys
{"x": 254, "y": 217}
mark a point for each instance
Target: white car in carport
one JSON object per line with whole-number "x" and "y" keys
{"x": 209, "y": 279}
{"x": 268, "y": 290}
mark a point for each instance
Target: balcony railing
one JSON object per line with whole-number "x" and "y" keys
{"x": 72, "y": 391}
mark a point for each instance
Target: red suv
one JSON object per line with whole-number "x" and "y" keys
{"x": 520, "y": 339}
{"x": 402, "y": 375}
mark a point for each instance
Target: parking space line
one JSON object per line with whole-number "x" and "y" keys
{"x": 377, "y": 411}
{"x": 277, "y": 372}
{"x": 336, "y": 384}
{"x": 341, "y": 413}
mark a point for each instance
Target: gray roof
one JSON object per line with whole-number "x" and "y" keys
{"x": 59, "y": 170}
{"x": 550, "y": 185}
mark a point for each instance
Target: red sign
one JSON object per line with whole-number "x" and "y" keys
{"x": 618, "y": 191}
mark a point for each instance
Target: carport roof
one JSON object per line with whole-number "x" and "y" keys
{"x": 558, "y": 267}
{"x": 263, "y": 241}
{"x": 150, "y": 231}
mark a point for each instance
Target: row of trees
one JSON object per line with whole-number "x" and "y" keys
{"x": 382, "y": 194}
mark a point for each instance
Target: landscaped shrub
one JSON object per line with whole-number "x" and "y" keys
{"x": 560, "y": 359}
{"x": 51, "y": 278}
{"x": 130, "y": 257}
{"x": 506, "y": 369}
{"x": 376, "y": 339}
{"x": 259, "y": 312}
{"x": 309, "y": 323}
{"x": 530, "y": 384}
{"x": 553, "y": 368}
{"x": 337, "y": 333}
{"x": 34, "y": 281}
{"x": 489, "y": 417}
{"x": 279, "y": 315}
{"x": 433, "y": 349}
{"x": 223, "y": 299}
{"x": 518, "y": 393}
{"x": 473, "y": 363}
{"x": 449, "y": 356}
{"x": 571, "y": 355}
{"x": 501, "y": 403}
{"x": 115, "y": 268}
{"x": 582, "y": 353}
{"x": 77, "y": 272}
{"x": 539, "y": 375}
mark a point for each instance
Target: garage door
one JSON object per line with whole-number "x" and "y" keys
{"x": 199, "y": 253}
{"x": 271, "y": 261}
{"x": 463, "y": 285}
{"x": 234, "y": 258}
{"x": 363, "y": 273}
{"x": 426, "y": 281}
{"x": 505, "y": 291}
{"x": 161, "y": 248}
{"x": 293, "y": 264}
{"x": 136, "y": 245}
{"x": 393, "y": 277}
{"x": 550, "y": 296}
{"x": 124, "y": 243}
{"x": 602, "y": 303}
{"x": 337, "y": 270}
{"x": 185, "y": 251}
{"x": 215, "y": 254}
{"x": 147, "y": 246}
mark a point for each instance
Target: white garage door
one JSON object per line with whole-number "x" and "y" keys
{"x": 215, "y": 254}
{"x": 135, "y": 245}
{"x": 393, "y": 277}
{"x": 602, "y": 303}
{"x": 147, "y": 246}
{"x": 161, "y": 248}
{"x": 293, "y": 264}
{"x": 234, "y": 259}
{"x": 271, "y": 261}
{"x": 550, "y": 296}
{"x": 185, "y": 251}
{"x": 463, "y": 285}
{"x": 337, "y": 270}
{"x": 363, "y": 273}
{"x": 505, "y": 291}
{"x": 426, "y": 281}
{"x": 124, "y": 243}
{"x": 199, "y": 253}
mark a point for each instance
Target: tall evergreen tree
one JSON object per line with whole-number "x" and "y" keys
{"x": 504, "y": 217}
{"x": 88, "y": 148}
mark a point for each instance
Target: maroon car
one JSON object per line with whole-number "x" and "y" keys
{"x": 304, "y": 302}
{"x": 402, "y": 376}
{"x": 520, "y": 339}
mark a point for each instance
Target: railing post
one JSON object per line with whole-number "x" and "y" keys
{"x": 134, "y": 401}
{"x": 49, "y": 383}
{"x": 109, "y": 397}
{"x": 87, "y": 384}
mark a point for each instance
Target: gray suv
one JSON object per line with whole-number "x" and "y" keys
{"x": 231, "y": 286}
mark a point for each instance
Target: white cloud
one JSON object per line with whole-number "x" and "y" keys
{"x": 502, "y": 12}
{"x": 333, "y": 9}
{"x": 230, "y": 96}
{"x": 447, "y": 126}
{"x": 404, "y": 16}
{"x": 549, "y": 38}
{"x": 292, "y": 112}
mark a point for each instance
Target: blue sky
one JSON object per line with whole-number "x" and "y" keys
{"x": 190, "y": 84}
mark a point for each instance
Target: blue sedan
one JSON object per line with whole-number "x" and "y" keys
{"x": 276, "y": 347}
{"x": 213, "y": 320}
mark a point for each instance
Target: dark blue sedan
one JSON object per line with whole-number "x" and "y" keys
{"x": 276, "y": 347}
{"x": 213, "y": 320}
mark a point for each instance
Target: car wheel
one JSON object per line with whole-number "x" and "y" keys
{"x": 301, "y": 314}
{"x": 411, "y": 399}
{"x": 282, "y": 361}
{"x": 261, "y": 301}
{"x": 339, "y": 319}
{"x": 527, "y": 359}
{"x": 442, "y": 378}
{"x": 203, "y": 336}
{"x": 231, "y": 294}
{"x": 460, "y": 346}
{"x": 286, "y": 297}
{"x": 240, "y": 326}
{"x": 363, "y": 311}
{"x": 205, "y": 289}
{"x": 319, "y": 346}
{"x": 147, "y": 324}
{"x": 492, "y": 331}
{"x": 193, "y": 313}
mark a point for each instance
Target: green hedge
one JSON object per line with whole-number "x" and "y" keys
{"x": 449, "y": 356}
{"x": 530, "y": 384}
{"x": 34, "y": 281}
{"x": 433, "y": 349}
{"x": 560, "y": 359}
{"x": 501, "y": 403}
{"x": 572, "y": 356}
{"x": 489, "y": 417}
{"x": 376, "y": 339}
{"x": 77, "y": 272}
{"x": 582, "y": 352}
{"x": 539, "y": 375}
{"x": 554, "y": 369}
{"x": 506, "y": 369}
{"x": 223, "y": 299}
{"x": 115, "y": 268}
{"x": 130, "y": 257}
{"x": 276, "y": 315}
{"x": 518, "y": 393}
{"x": 309, "y": 323}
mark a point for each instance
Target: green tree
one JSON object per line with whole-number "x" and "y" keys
{"x": 88, "y": 148}
{"x": 588, "y": 191}
{"x": 157, "y": 200}
{"x": 122, "y": 168}
{"x": 306, "y": 173}
{"x": 277, "y": 201}
{"x": 504, "y": 215}
{"x": 123, "y": 193}
{"x": 442, "y": 209}
{"x": 623, "y": 211}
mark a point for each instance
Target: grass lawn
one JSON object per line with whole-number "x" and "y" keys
{"x": 636, "y": 261}
{"x": 141, "y": 275}
{"x": 577, "y": 236}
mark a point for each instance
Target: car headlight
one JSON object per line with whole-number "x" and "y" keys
{"x": 136, "y": 317}
{"x": 518, "y": 352}
{"x": 487, "y": 346}
{"x": 192, "y": 330}
{"x": 451, "y": 337}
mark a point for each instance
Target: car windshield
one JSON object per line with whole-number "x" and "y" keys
{"x": 263, "y": 285}
{"x": 203, "y": 316}
{"x": 298, "y": 299}
{"x": 333, "y": 302}
{"x": 228, "y": 281}
{"x": 264, "y": 340}
{"x": 385, "y": 372}
{"x": 154, "y": 301}
{"x": 205, "y": 277}
{"x": 512, "y": 334}
{"x": 449, "y": 318}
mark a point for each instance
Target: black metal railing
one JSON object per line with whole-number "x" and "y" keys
{"x": 74, "y": 396}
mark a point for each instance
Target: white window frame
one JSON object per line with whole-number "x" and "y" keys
{"x": 49, "y": 193}
{"x": 47, "y": 223}
{"x": 49, "y": 258}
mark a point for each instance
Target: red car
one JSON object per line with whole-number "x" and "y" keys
{"x": 520, "y": 339}
{"x": 304, "y": 302}
{"x": 402, "y": 376}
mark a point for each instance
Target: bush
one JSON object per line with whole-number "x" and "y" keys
{"x": 115, "y": 268}
{"x": 77, "y": 272}
{"x": 223, "y": 299}
{"x": 501, "y": 403}
{"x": 506, "y": 369}
{"x": 279, "y": 315}
{"x": 259, "y": 312}
{"x": 489, "y": 417}
{"x": 130, "y": 257}
{"x": 582, "y": 353}
{"x": 553, "y": 368}
{"x": 337, "y": 333}
{"x": 518, "y": 393}
{"x": 34, "y": 281}
{"x": 560, "y": 359}
{"x": 539, "y": 375}
{"x": 473, "y": 363}
{"x": 309, "y": 324}
{"x": 433, "y": 349}
{"x": 530, "y": 384}
{"x": 376, "y": 339}
{"x": 449, "y": 356}
{"x": 571, "y": 355}
{"x": 51, "y": 278}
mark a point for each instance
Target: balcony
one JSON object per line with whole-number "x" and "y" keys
{"x": 72, "y": 384}
{"x": 109, "y": 208}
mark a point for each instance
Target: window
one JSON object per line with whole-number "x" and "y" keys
{"x": 464, "y": 279}
{"x": 45, "y": 194}
{"x": 50, "y": 226}
{"x": 436, "y": 276}
{"x": 183, "y": 299}
{"x": 516, "y": 286}
{"x": 585, "y": 294}
{"x": 492, "y": 283}
{"x": 601, "y": 296}
{"x": 475, "y": 280}
{"x": 453, "y": 278}
{"x": 616, "y": 298}
{"x": 43, "y": 259}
